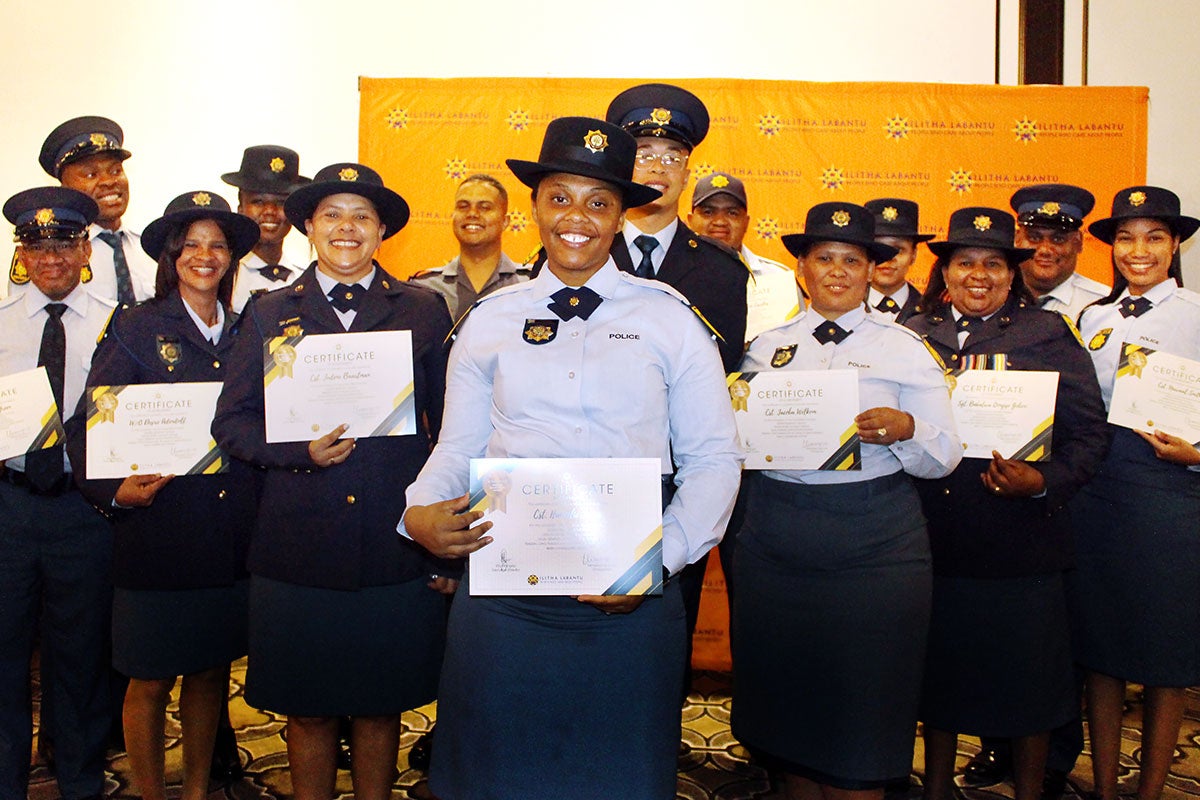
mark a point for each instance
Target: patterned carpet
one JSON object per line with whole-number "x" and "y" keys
{"x": 713, "y": 767}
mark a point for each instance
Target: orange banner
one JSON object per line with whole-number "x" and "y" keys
{"x": 793, "y": 143}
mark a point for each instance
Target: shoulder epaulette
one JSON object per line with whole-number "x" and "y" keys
{"x": 1072, "y": 327}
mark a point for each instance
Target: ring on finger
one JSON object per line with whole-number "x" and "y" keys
{"x": 882, "y": 432}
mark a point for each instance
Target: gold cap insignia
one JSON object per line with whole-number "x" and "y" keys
{"x": 98, "y": 139}
{"x": 720, "y": 182}
{"x": 1137, "y": 198}
{"x": 596, "y": 141}
{"x": 44, "y": 216}
{"x": 841, "y": 218}
{"x": 348, "y": 174}
{"x": 983, "y": 222}
{"x": 661, "y": 116}
{"x": 1049, "y": 209}
{"x": 890, "y": 213}
{"x": 201, "y": 199}
{"x": 277, "y": 164}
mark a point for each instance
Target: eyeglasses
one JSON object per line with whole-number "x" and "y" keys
{"x": 48, "y": 247}
{"x": 672, "y": 161}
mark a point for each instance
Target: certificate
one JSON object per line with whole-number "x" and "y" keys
{"x": 1156, "y": 391}
{"x": 29, "y": 417}
{"x": 568, "y": 526}
{"x": 798, "y": 419}
{"x": 149, "y": 428}
{"x": 314, "y": 383}
{"x": 1009, "y": 411}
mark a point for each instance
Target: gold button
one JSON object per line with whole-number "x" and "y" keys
{"x": 221, "y": 494}
{"x": 216, "y": 365}
{"x": 351, "y": 499}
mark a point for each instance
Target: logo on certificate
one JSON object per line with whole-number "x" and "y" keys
{"x": 496, "y": 485}
{"x": 106, "y": 404}
{"x": 739, "y": 390}
{"x": 285, "y": 357}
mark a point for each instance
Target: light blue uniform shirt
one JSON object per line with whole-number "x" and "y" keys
{"x": 895, "y": 370}
{"x": 641, "y": 378}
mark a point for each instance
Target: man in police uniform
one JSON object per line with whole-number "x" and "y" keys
{"x": 719, "y": 211}
{"x": 895, "y": 226}
{"x": 668, "y": 123}
{"x": 481, "y": 267}
{"x": 1049, "y": 216}
{"x": 267, "y": 176}
{"x": 87, "y": 154}
{"x": 56, "y": 551}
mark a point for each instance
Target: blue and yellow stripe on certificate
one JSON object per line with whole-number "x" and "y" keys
{"x": 212, "y": 462}
{"x": 646, "y": 574}
{"x": 402, "y": 417}
{"x": 272, "y": 368}
{"x": 1037, "y": 448}
{"x": 849, "y": 453}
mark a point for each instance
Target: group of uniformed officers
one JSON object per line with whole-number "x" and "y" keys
{"x": 985, "y": 596}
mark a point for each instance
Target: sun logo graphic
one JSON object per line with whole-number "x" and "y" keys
{"x": 397, "y": 119}
{"x": 896, "y": 127}
{"x": 960, "y": 181}
{"x": 455, "y": 169}
{"x": 703, "y": 171}
{"x": 769, "y": 125}
{"x": 1025, "y": 130}
{"x": 517, "y": 120}
{"x": 832, "y": 179}
{"x": 767, "y": 228}
{"x": 517, "y": 221}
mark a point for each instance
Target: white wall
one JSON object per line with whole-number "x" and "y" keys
{"x": 194, "y": 83}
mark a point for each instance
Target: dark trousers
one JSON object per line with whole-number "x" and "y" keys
{"x": 55, "y": 557}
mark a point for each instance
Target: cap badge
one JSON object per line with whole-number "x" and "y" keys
{"x": 201, "y": 199}
{"x": 348, "y": 174}
{"x": 277, "y": 164}
{"x": 1049, "y": 209}
{"x": 661, "y": 116}
{"x": 98, "y": 139}
{"x": 44, "y": 216}
{"x": 841, "y": 218}
{"x": 720, "y": 182}
{"x": 1137, "y": 198}
{"x": 983, "y": 222}
{"x": 890, "y": 213}
{"x": 596, "y": 141}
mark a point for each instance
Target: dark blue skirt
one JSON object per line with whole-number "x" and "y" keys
{"x": 829, "y": 627}
{"x": 548, "y": 699}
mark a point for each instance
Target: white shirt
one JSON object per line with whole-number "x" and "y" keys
{"x": 210, "y": 332}
{"x": 328, "y": 284}
{"x": 772, "y": 294}
{"x": 1073, "y": 295}
{"x": 249, "y": 280}
{"x": 875, "y": 297}
{"x": 658, "y": 254}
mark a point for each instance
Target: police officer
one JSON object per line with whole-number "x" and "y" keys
{"x": 895, "y": 226}
{"x": 88, "y": 154}
{"x": 268, "y": 174}
{"x": 1049, "y": 217}
{"x": 57, "y": 551}
{"x": 719, "y": 211}
{"x": 479, "y": 219}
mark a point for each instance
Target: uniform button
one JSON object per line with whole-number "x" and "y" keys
{"x": 351, "y": 499}
{"x": 945, "y": 491}
{"x": 574, "y": 334}
{"x": 221, "y": 494}
{"x": 579, "y": 430}
{"x": 216, "y": 365}
{"x": 571, "y": 375}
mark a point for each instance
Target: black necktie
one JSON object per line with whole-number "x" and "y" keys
{"x": 275, "y": 272}
{"x": 888, "y": 305}
{"x": 346, "y": 297}
{"x": 968, "y": 324}
{"x": 646, "y": 244}
{"x": 569, "y": 302}
{"x": 1135, "y": 307}
{"x": 44, "y": 468}
{"x": 830, "y": 332}
{"x": 125, "y": 294}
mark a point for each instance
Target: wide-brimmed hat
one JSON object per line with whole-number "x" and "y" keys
{"x": 268, "y": 168}
{"x": 660, "y": 109}
{"x": 79, "y": 138}
{"x": 839, "y": 222}
{"x": 589, "y": 147}
{"x": 348, "y": 178}
{"x": 1060, "y": 206}
{"x": 191, "y": 206}
{"x": 50, "y": 212}
{"x": 1144, "y": 201}
{"x": 979, "y": 226}
{"x": 897, "y": 217}
{"x": 719, "y": 183}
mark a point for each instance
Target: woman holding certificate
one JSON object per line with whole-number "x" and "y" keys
{"x": 552, "y": 696}
{"x": 998, "y": 525}
{"x": 1135, "y": 592}
{"x": 179, "y": 549}
{"x": 345, "y": 619}
{"x": 829, "y": 631}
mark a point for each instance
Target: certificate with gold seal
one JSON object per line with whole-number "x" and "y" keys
{"x": 1009, "y": 411}
{"x": 1156, "y": 391}
{"x": 29, "y": 418}
{"x": 797, "y": 419}
{"x": 149, "y": 428}
{"x": 568, "y": 526}
{"x": 313, "y": 383}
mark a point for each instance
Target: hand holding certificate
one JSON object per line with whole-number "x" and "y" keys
{"x": 29, "y": 418}
{"x": 1156, "y": 391}
{"x": 1007, "y": 411}
{"x": 314, "y": 383}
{"x": 568, "y": 526}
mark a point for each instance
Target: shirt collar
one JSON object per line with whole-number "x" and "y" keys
{"x": 328, "y": 284}
{"x": 901, "y": 295}
{"x": 77, "y": 301}
{"x": 210, "y": 332}
{"x": 847, "y": 321}
{"x": 603, "y": 282}
{"x": 1156, "y": 294}
{"x": 664, "y": 237}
